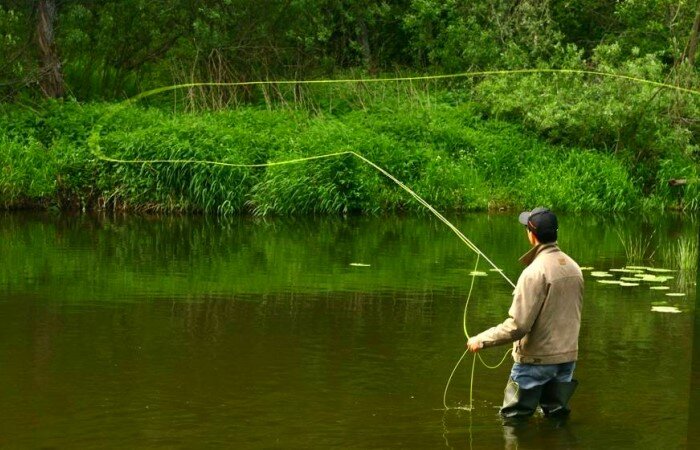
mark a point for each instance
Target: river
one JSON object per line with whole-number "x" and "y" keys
{"x": 196, "y": 332}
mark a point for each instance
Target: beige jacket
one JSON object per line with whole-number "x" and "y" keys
{"x": 545, "y": 316}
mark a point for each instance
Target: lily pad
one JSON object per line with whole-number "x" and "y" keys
{"x": 676, "y": 294}
{"x": 631, "y": 279}
{"x": 659, "y": 270}
{"x": 636, "y": 267}
{"x": 359, "y": 265}
{"x": 659, "y": 288}
{"x": 609, "y": 281}
{"x": 665, "y": 309}
{"x": 626, "y": 270}
{"x": 477, "y": 273}
{"x": 654, "y": 279}
{"x": 622, "y": 283}
{"x": 600, "y": 274}
{"x": 586, "y": 268}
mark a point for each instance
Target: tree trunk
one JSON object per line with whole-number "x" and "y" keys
{"x": 693, "y": 40}
{"x": 50, "y": 77}
{"x": 364, "y": 42}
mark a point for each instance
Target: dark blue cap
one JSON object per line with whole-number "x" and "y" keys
{"x": 540, "y": 221}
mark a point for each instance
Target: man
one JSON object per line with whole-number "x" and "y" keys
{"x": 544, "y": 324}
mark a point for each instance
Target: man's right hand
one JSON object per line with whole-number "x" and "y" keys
{"x": 474, "y": 345}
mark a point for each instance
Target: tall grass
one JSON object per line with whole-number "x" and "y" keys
{"x": 433, "y": 141}
{"x": 687, "y": 258}
{"x": 682, "y": 255}
{"x": 327, "y": 98}
{"x": 28, "y": 173}
{"x": 687, "y": 253}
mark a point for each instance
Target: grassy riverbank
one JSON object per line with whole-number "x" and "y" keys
{"x": 445, "y": 150}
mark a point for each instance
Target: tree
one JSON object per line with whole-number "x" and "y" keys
{"x": 12, "y": 48}
{"x": 693, "y": 40}
{"x": 50, "y": 75}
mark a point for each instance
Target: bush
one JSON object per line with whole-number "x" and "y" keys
{"x": 28, "y": 172}
{"x": 684, "y": 197}
{"x": 642, "y": 124}
{"x": 577, "y": 180}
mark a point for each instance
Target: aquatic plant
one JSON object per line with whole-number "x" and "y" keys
{"x": 682, "y": 254}
{"x": 686, "y": 249}
{"x": 637, "y": 248}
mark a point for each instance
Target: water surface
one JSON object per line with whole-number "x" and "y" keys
{"x": 195, "y": 332}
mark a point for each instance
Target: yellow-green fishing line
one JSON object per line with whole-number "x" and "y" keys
{"x": 476, "y": 355}
{"x": 93, "y": 144}
{"x": 473, "y": 74}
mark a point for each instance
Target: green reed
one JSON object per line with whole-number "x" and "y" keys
{"x": 687, "y": 251}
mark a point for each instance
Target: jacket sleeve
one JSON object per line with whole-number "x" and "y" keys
{"x": 528, "y": 297}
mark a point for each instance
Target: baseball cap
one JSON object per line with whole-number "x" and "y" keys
{"x": 540, "y": 221}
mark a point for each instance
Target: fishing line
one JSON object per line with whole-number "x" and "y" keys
{"x": 94, "y": 147}
{"x": 93, "y": 140}
{"x": 471, "y": 74}
{"x": 96, "y": 151}
{"x": 466, "y": 333}
{"x": 460, "y": 235}
{"x": 476, "y": 355}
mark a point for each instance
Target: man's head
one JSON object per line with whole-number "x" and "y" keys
{"x": 542, "y": 223}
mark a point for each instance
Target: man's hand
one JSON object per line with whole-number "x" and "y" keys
{"x": 473, "y": 345}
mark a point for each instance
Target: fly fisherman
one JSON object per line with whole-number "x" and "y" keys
{"x": 543, "y": 326}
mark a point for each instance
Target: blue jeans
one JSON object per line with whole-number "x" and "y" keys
{"x": 529, "y": 376}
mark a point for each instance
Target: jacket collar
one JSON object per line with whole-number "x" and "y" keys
{"x": 530, "y": 256}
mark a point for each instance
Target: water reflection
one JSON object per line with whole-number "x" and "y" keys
{"x": 158, "y": 332}
{"x": 539, "y": 433}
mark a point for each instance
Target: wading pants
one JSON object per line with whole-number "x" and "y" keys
{"x": 548, "y": 385}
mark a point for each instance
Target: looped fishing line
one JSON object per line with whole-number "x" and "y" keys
{"x": 476, "y": 355}
{"x": 94, "y": 147}
{"x": 460, "y": 235}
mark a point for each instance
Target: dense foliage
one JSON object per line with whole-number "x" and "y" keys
{"x": 465, "y": 144}
{"x": 447, "y": 153}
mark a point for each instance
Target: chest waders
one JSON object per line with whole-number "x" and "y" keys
{"x": 553, "y": 397}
